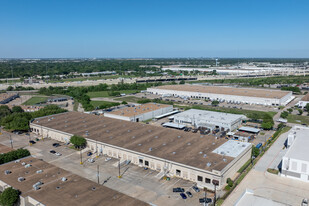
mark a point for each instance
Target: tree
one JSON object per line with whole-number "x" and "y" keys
{"x": 182, "y": 82}
{"x": 300, "y": 111}
{"x": 9, "y": 197}
{"x": 13, "y": 155}
{"x": 255, "y": 152}
{"x": 284, "y": 114}
{"x": 267, "y": 125}
{"x": 17, "y": 109}
{"x": 124, "y": 102}
{"x": 307, "y": 107}
{"x": 230, "y": 182}
{"x": 290, "y": 110}
{"x": 215, "y": 103}
{"x": 78, "y": 141}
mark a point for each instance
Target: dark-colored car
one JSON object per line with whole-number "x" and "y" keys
{"x": 178, "y": 189}
{"x": 32, "y": 142}
{"x": 52, "y": 151}
{"x": 195, "y": 188}
{"x": 205, "y": 200}
{"x": 56, "y": 145}
{"x": 183, "y": 195}
{"x": 89, "y": 153}
{"x": 189, "y": 194}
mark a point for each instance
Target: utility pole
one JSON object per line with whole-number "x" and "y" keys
{"x": 98, "y": 174}
{"x": 215, "y": 183}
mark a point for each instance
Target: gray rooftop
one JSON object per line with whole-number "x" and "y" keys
{"x": 299, "y": 148}
{"x": 209, "y": 115}
{"x": 249, "y": 199}
{"x": 232, "y": 148}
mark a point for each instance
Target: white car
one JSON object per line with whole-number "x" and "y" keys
{"x": 58, "y": 154}
{"x": 91, "y": 160}
{"x": 107, "y": 159}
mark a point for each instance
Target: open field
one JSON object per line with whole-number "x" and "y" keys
{"x": 298, "y": 119}
{"x": 35, "y": 100}
{"x": 99, "y": 103}
{"x": 106, "y": 93}
{"x": 128, "y": 99}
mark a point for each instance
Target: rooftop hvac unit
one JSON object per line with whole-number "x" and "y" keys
{"x": 20, "y": 179}
{"x": 36, "y": 188}
{"x": 37, "y": 184}
{"x": 27, "y": 165}
{"x": 23, "y": 163}
{"x": 208, "y": 164}
{"x": 39, "y": 171}
{"x": 6, "y": 172}
{"x": 64, "y": 179}
{"x": 16, "y": 161}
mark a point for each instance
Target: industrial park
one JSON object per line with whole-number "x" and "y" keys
{"x": 159, "y": 103}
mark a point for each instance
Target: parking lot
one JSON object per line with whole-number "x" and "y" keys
{"x": 135, "y": 181}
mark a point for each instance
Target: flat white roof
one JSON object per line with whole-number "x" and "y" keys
{"x": 299, "y": 148}
{"x": 248, "y": 198}
{"x": 249, "y": 129}
{"x": 198, "y": 115}
{"x": 232, "y": 148}
{"x": 174, "y": 125}
{"x": 166, "y": 114}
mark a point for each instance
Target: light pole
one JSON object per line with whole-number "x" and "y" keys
{"x": 119, "y": 176}
{"x": 81, "y": 156}
{"x": 205, "y": 190}
{"x": 98, "y": 174}
{"x": 11, "y": 141}
{"x": 215, "y": 183}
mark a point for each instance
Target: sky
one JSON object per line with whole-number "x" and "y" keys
{"x": 154, "y": 29}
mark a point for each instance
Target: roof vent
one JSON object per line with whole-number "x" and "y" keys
{"x": 173, "y": 152}
{"x": 111, "y": 137}
{"x": 224, "y": 160}
{"x": 129, "y": 130}
{"x": 208, "y": 164}
{"x": 201, "y": 136}
{"x": 213, "y": 143}
{"x": 179, "y": 136}
{"x": 133, "y": 137}
{"x": 150, "y": 149}
{"x": 156, "y": 137}
{"x": 205, "y": 155}
{"x": 57, "y": 187}
{"x": 139, "y": 144}
{"x": 164, "y": 144}
{"x": 200, "y": 152}
{"x": 64, "y": 179}
{"x": 189, "y": 143}
{"x": 93, "y": 188}
{"x": 149, "y": 130}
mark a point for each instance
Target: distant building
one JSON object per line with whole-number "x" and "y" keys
{"x": 304, "y": 101}
{"x": 209, "y": 119}
{"x": 229, "y": 94}
{"x": 249, "y": 198}
{"x": 295, "y": 163}
{"x": 7, "y": 97}
{"x": 140, "y": 112}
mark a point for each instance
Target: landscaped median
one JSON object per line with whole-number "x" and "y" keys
{"x": 245, "y": 169}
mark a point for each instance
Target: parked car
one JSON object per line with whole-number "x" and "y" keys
{"x": 89, "y": 153}
{"x": 107, "y": 159}
{"x": 58, "y": 154}
{"x": 56, "y": 145}
{"x": 189, "y": 194}
{"x": 32, "y": 142}
{"x": 205, "y": 200}
{"x": 183, "y": 195}
{"x": 52, "y": 151}
{"x": 91, "y": 160}
{"x": 178, "y": 189}
{"x": 195, "y": 188}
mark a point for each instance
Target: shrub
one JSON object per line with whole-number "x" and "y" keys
{"x": 229, "y": 182}
{"x": 124, "y": 102}
{"x": 284, "y": 114}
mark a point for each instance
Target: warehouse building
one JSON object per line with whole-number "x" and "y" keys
{"x": 7, "y": 97}
{"x": 140, "y": 112}
{"x": 209, "y": 119}
{"x": 41, "y": 183}
{"x": 295, "y": 163}
{"x": 203, "y": 159}
{"x": 229, "y": 94}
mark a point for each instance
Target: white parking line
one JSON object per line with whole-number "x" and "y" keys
{"x": 62, "y": 157}
{"x": 173, "y": 184}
